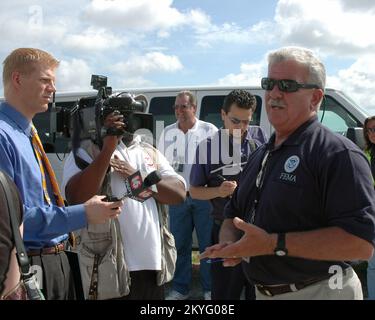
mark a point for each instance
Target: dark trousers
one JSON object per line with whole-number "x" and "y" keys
{"x": 57, "y": 277}
{"x": 228, "y": 282}
{"x": 143, "y": 286}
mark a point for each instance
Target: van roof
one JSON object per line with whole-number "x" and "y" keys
{"x": 166, "y": 89}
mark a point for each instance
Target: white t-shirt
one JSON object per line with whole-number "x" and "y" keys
{"x": 139, "y": 222}
{"x": 179, "y": 148}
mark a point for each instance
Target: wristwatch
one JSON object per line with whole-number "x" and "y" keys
{"x": 281, "y": 250}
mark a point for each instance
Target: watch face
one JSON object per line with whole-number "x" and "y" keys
{"x": 280, "y": 253}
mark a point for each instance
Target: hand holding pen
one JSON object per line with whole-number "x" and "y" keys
{"x": 226, "y": 188}
{"x": 214, "y": 256}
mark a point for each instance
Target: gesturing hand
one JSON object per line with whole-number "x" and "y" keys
{"x": 254, "y": 242}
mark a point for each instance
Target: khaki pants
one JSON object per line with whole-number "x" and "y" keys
{"x": 330, "y": 289}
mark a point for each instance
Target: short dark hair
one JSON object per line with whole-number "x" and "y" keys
{"x": 242, "y": 98}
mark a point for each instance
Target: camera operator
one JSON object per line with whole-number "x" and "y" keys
{"x": 29, "y": 82}
{"x": 137, "y": 230}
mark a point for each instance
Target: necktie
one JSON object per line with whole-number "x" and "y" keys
{"x": 45, "y": 164}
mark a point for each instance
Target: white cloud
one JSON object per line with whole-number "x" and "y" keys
{"x": 93, "y": 39}
{"x": 358, "y": 81}
{"x": 209, "y": 34}
{"x": 324, "y": 24}
{"x": 150, "y": 62}
{"x": 17, "y": 33}
{"x": 73, "y": 75}
{"x": 250, "y": 74}
{"x": 359, "y": 5}
{"x": 134, "y": 82}
{"x": 141, "y": 15}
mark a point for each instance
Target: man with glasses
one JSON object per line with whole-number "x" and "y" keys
{"x": 305, "y": 202}
{"x": 215, "y": 174}
{"x": 178, "y": 142}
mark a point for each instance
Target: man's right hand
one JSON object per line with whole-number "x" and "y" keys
{"x": 115, "y": 121}
{"x": 227, "y": 188}
{"x": 99, "y": 211}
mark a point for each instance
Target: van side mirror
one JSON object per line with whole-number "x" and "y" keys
{"x": 356, "y": 135}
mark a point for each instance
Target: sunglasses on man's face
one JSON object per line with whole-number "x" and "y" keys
{"x": 286, "y": 85}
{"x": 370, "y": 130}
{"x": 236, "y": 121}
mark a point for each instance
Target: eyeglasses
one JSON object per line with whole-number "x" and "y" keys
{"x": 286, "y": 85}
{"x": 370, "y": 130}
{"x": 238, "y": 121}
{"x": 181, "y": 106}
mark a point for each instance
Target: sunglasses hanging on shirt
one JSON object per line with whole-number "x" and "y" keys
{"x": 258, "y": 184}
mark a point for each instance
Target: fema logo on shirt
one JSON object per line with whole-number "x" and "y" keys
{"x": 291, "y": 164}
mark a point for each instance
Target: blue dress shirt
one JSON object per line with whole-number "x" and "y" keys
{"x": 44, "y": 225}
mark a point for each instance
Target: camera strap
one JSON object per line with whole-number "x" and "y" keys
{"x": 22, "y": 257}
{"x": 28, "y": 277}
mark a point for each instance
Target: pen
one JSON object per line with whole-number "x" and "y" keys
{"x": 214, "y": 260}
{"x": 221, "y": 177}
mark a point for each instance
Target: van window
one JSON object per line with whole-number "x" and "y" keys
{"x": 52, "y": 143}
{"x": 335, "y": 117}
{"x": 211, "y": 110}
{"x": 162, "y": 109}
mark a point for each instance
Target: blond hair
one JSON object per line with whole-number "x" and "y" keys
{"x": 24, "y": 61}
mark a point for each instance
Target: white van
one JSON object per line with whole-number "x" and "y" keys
{"x": 338, "y": 112}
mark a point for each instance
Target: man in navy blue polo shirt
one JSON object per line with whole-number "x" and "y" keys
{"x": 305, "y": 201}
{"x": 214, "y": 176}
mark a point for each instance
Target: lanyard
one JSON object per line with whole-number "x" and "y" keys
{"x": 258, "y": 185}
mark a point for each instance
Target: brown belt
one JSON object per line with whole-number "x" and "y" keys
{"x": 50, "y": 250}
{"x": 273, "y": 290}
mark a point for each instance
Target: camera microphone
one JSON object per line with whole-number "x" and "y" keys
{"x": 136, "y": 188}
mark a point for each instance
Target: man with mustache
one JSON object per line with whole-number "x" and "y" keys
{"x": 305, "y": 201}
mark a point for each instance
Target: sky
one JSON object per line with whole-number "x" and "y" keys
{"x": 166, "y": 43}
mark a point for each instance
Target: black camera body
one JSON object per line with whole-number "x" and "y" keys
{"x": 86, "y": 119}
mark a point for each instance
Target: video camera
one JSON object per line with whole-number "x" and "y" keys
{"x": 86, "y": 119}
